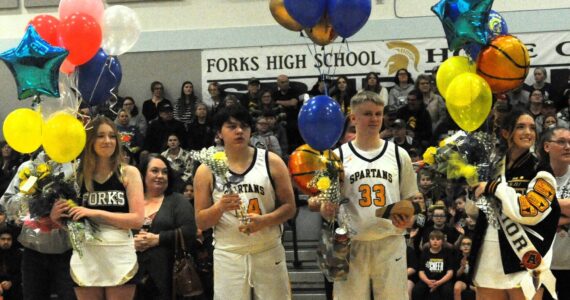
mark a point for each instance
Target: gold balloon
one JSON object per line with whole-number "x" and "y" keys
{"x": 64, "y": 137}
{"x": 281, "y": 15}
{"x": 323, "y": 33}
{"x": 469, "y": 100}
{"x": 450, "y": 69}
{"x": 23, "y": 130}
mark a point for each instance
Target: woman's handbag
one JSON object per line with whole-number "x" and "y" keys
{"x": 185, "y": 280}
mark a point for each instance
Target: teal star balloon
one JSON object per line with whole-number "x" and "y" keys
{"x": 35, "y": 65}
{"x": 464, "y": 21}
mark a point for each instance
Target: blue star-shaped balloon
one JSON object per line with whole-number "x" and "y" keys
{"x": 464, "y": 21}
{"x": 35, "y": 65}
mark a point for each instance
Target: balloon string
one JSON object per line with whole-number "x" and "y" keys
{"x": 313, "y": 53}
{"x": 107, "y": 63}
{"x": 111, "y": 91}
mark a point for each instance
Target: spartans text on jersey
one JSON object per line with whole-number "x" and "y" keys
{"x": 370, "y": 173}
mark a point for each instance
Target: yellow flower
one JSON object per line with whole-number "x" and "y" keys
{"x": 470, "y": 174}
{"x": 323, "y": 183}
{"x": 25, "y": 173}
{"x": 43, "y": 170}
{"x": 71, "y": 203}
{"x": 429, "y": 155}
{"x": 220, "y": 155}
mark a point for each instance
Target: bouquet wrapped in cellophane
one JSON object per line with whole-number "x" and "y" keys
{"x": 473, "y": 156}
{"x": 217, "y": 162}
{"x": 42, "y": 183}
{"x": 333, "y": 253}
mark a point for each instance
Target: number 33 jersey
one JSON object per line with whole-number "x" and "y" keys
{"x": 258, "y": 195}
{"x": 372, "y": 180}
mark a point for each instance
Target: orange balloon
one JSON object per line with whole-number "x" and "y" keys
{"x": 305, "y": 161}
{"x": 281, "y": 15}
{"x": 504, "y": 63}
{"x": 323, "y": 33}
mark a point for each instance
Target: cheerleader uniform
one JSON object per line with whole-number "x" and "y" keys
{"x": 110, "y": 259}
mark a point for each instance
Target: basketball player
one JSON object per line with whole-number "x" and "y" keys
{"x": 249, "y": 259}
{"x": 376, "y": 173}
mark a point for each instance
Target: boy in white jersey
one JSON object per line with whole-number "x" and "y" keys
{"x": 376, "y": 173}
{"x": 247, "y": 258}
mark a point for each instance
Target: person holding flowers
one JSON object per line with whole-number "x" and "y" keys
{"x": 111, "y": 195}
{"x": 377, "y": 173}
{"x": 522, "y": 214}
{"x": 245, "y": 194}
{"x": 47, "y": 250}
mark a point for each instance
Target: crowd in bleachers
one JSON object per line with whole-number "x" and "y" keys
{"x": 415, "y": 118}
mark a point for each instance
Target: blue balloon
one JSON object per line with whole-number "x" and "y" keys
{"x": 321, "y": 122}
{"x": 348, "y": 16}
{"x": 473, "y": 49}
{"x": 464, "y": 21}
{"x": 98, "y": 77}
{"x": 35, "y": 65}
{"x": 306, "y": 12}
{"x": 496, "y": 25}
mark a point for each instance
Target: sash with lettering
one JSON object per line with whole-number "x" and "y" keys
{"x": 533, "y": 204}
{"x": 537, "y": 271}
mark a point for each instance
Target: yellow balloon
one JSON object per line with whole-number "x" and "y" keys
{"x": 469, "y": 100}
{"x": 23, "y": 130}
{"x": 450, "y": 69}
{"x": 64, "y": 137}
{"x": 281, "y": 15}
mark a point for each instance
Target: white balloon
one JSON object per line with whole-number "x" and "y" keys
{"x": 121, "y": 29}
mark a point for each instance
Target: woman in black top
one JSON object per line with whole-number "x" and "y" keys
{"x": 112, "y": 197}
{"x": 165, "y": 212}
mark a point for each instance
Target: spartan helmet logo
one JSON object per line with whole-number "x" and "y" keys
{"x": 401, "y": 60}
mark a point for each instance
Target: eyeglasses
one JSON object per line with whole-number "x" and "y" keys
{"x": 561, "y": 143}
{"x": 439, "y": 216}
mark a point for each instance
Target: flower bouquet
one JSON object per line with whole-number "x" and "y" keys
{"x": 41, "y": 187}
{"x": 217, "y": 162}
{"x": 474, "y": 157}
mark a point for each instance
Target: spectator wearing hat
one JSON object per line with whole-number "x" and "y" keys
{"x": 390, "y": 115}
{"x": 160, "y": 128}
{"x": 417, "y": 118}
{"x": 401, "y": 136}
{"x": 252, "y": 96}
{"x": 548, "y": 109}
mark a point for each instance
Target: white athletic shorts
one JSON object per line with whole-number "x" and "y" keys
{"x": 380, "y": 262}
{"x": 236, "y": 276}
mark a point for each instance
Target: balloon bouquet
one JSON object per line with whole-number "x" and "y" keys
{"x": 501, "y": 60}
{"x": 83, "y": 44}
{"x": 315, "y": 169}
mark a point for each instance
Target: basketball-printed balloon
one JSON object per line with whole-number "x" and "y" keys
{"x": 504, "y": 63}
{"x": 305, "y": 161}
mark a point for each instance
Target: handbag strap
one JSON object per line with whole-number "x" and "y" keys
{"x": 179, "y": 244}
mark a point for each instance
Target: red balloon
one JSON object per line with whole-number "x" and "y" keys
{"x": 67, "y": 67}
{"x": 81, "y": 36}
{"x": 47, "y": 27}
